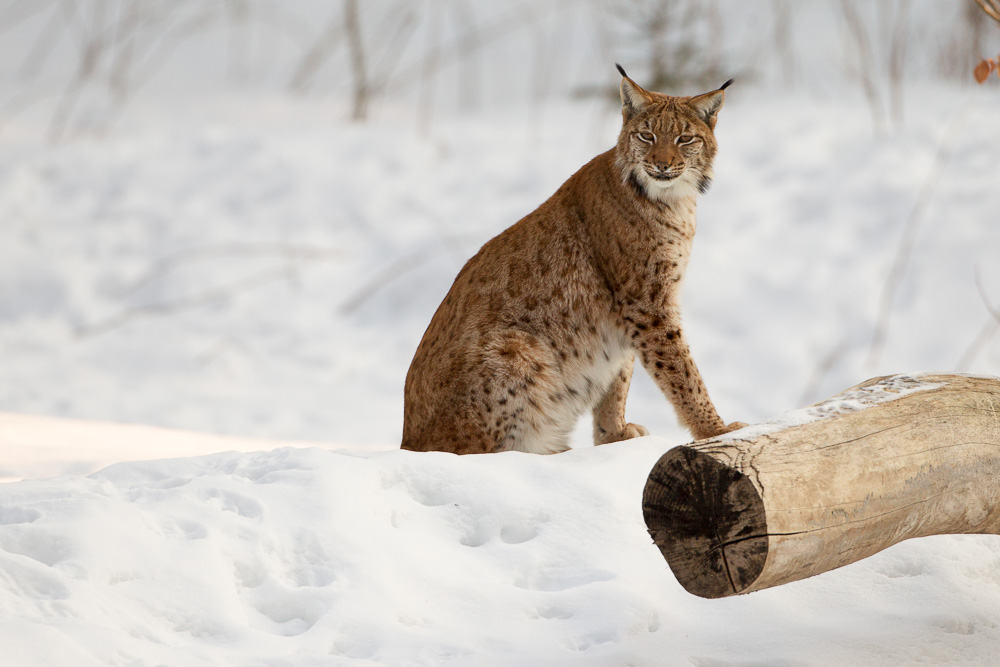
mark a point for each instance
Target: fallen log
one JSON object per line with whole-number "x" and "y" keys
{"x": 890, "y": 459}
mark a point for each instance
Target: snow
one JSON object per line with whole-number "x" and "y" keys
{"x": 305, "y": 556}
{"x": 886, "y": 389}
{"x": 206, "y": 320}
{"x": 36, "y": 447}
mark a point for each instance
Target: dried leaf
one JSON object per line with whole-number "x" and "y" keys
{"x": 982, "y": 71}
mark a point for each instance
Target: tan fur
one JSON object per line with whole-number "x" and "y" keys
{"x": 545, "y": 320}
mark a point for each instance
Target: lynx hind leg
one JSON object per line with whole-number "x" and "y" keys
{"x": 609, "y": 413}
{"x": 518, "y": 379}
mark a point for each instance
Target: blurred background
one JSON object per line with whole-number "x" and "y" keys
{"x": 238, "y": 216}
{"x": 78, "y": 68}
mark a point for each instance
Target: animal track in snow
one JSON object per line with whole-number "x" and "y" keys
{"x": 12, "y": 515}
{"x": 427, "y": 490}
{"x": 249, "y": 574}
{"x": 288, "y": 611}
{"x": 964, "y": 626}
{"x": 477, "y": 536}
{"x": 30, "y": 580}
{"x": 183, "y": 529}
{"x": 39, "y": 545}
{"x": 518, "y": 533}
{"x": 270, "y": 467}
{"x": 553, "y": 579}
{"x": 310, "y": 565}
{"x": 902, "y": 567}
{"x": 355, "y": 645}
{"x": 590, "y": 640}
{"x": 512, "y": 530}
{"x": 429, "y": 495}
{"x": 553, "y": 612}
{"x": 236, "y": 503}
{"x": 289, "y": 587}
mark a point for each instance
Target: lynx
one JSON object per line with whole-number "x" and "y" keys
{"x": 544, "y": 322}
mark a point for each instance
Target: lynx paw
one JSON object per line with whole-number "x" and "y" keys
{"x": 630, "y": 431}
{"x": 633, "y": 431}
{"x": 733, "y": 426}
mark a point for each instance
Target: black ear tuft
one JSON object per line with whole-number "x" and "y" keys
{"x": 726, "y": 85}
{"x": 622, "y": 70}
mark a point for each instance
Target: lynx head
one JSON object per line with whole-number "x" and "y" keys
{"x": 667, "y": 144}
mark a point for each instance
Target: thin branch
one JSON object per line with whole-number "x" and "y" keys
{"x": 223, "y": 345}
{"x": 397, "y": 43}
{"x": 469, "y": 89}
{"x": 866, "y": 64}
{"x": 14, "y": 14}
{"x": 315, "y": 56}
{"x": 461, "y": 45}
{"x": 782, "y": 37}
{"x": 908, "y": 238}
{"x": 211, "y": 296}
{"x": 162, "y": 44}
{"x": 990, "y": 308}
{"x": 428, "y": 74}
{"x": 289, "y": 252}
{"x": 391, "y": 272}
{"x": 43, "y": 46}
{"x": 986, "y": 333}
{"x": 287, "y": 271}
{"x": 123, "y": 42}
{"x": 976, "y": 346}
{"x": 149, "y": 48}
{"x": 991, "y": 7}
{"x": 356, "y": 50}
{"x": 823, "y": 369}
{"x": 897, "y": 60}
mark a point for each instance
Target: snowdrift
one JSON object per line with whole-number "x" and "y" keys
{"x": 312, "y": 556}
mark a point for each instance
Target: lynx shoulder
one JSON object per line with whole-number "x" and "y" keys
{"x": 545, "y": 321}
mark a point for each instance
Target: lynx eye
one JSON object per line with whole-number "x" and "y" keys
{"x": 685, "y": 139}
{"x": 647, "y": 137}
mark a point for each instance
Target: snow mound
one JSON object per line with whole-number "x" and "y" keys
{"x": 306, "y": 556}
{"x": 36, "y": 447}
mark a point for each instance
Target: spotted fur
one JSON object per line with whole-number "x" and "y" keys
{"x": 545, "y": 321}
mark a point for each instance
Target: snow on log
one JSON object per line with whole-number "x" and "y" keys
{"x": 890, "y": 459}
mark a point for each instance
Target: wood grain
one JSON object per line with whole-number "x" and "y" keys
{"x": 888, "y": 460}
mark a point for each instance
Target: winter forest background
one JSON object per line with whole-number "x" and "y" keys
{"x": 236, "y": 217}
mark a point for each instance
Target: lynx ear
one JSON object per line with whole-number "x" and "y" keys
{"x": 708, "y": 105}
{"x": 634, "y": 98}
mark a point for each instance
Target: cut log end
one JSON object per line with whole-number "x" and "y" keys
{"x": 708, "y": 521}
{"x": 888, "y": 460}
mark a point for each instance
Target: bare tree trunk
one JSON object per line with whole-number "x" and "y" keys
{"x": 428, "y": 74}
{"x": 782, "y": 11}
{"x": 865, "y": 65}
{"x": 356, "y": 49}
{"x": 897, "y": 60}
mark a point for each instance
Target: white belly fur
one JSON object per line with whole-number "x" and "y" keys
{"x": 587, "y": 381}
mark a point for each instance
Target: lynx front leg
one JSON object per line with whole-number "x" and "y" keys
{"x": 609, "y": 414}
{"x": 666, "y": 357}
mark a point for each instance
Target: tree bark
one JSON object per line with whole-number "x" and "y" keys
{"x": 890, "y": 459}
